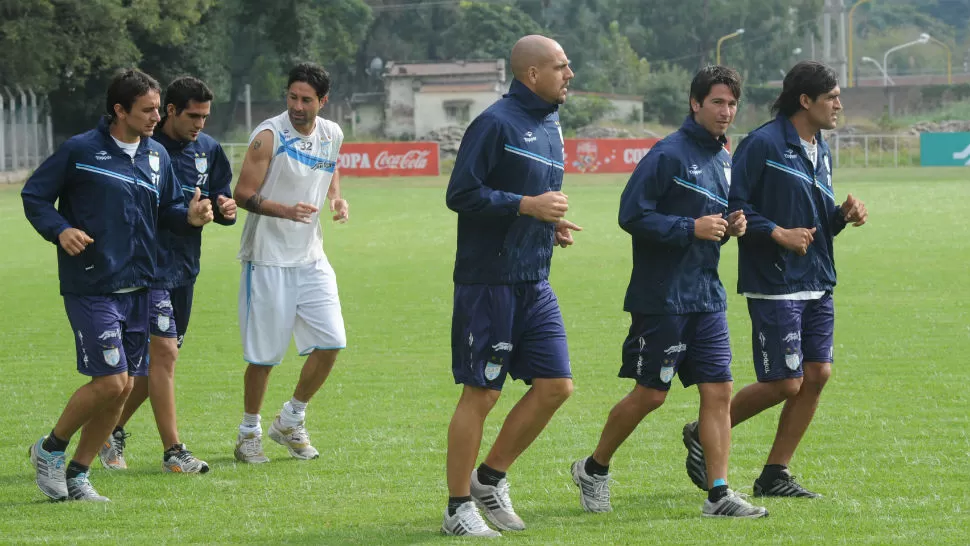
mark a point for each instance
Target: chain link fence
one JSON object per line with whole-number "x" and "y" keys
{"x": 865, "y": 150}
{"x": 26, "y": 133}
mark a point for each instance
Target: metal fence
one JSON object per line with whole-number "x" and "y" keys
{"x": 864, "y": 150}
{"x": 848, "y": 150}
{"x": 26, "y": 135}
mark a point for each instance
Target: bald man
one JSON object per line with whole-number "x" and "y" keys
{"x": 505, "y": 188}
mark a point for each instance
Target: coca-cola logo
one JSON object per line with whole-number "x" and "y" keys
{"x": 410, "y": 160}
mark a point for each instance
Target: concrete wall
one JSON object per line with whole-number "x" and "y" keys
{"x": 369, "y": 119}
{"x": 429, "y": 108}
{"x": 399, "y": 107}
{"x": 626, "y": 109}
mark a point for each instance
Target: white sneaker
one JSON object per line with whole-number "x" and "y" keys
{"x": 496, "y": 504}
{"x": 249, "y": 448}
{"x": 594, "y": 490}
{"x": 79, "y": 488}
{"x": 732, "y": 505}
{"x": 467, "y": 522}
{"x": 295, "y": 439}
{"x": 112, "y": 452}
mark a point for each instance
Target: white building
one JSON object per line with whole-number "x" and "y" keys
{"x": 423, "y": 96}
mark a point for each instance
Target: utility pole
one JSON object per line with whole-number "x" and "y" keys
{"x": 835, "y": 9}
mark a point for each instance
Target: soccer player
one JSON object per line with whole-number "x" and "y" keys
{"x": 113, "y": 185}
{"x": 505, "y": 188}
{"x": 288, "y": 287}
{"x": 786, "y": 268}
{"x": 674, "y": 207}
{"x": 199, "y": 162}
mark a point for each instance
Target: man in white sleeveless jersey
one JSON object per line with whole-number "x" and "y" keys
{"x": 287, "y": 287}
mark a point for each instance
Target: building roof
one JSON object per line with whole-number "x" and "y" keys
{"x": 447, "y": 68}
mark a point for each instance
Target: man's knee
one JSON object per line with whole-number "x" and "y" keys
{"x": 163, "y": 352}
{"x": 478, "y": 399}
{"x": 111, "y": 387}
{"x": 788, "y": 388}
{"x": 716, "y": 393}
{"x": 647, "y": 399}
{"x": 817, "y": 375}
{"x": 553, "y": 392}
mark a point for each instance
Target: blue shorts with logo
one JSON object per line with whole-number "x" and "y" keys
{"x": 500, "y": 330}
{"x": 786, "y": 333}
{"x": 110, "y": 332}
{"x": 695, "y": 346}
{"x": 171, "y": 310}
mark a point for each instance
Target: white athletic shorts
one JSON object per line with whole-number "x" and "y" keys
{"x": 276, "y": 303}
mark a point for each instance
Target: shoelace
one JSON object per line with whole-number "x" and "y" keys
{"x": 601, "y": 490}
{"x": 472, "y": 520}
{"x": 251, "y": 446}
{"x": 82, "y": 483}
{"x": 502, "y": 493}
{"x": 120, "y": 442}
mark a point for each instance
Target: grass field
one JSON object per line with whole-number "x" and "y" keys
{"x": 889, "y": 447}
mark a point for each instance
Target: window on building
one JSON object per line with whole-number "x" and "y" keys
{"x": 457, "y": 112}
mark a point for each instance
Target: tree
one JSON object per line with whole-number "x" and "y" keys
{"x": 486, "y": 31}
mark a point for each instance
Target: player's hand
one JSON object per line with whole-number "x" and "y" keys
{"x": 340, "y": 210}
{"x": 548, "y": 207}
{"x": 200, "y": 210}
{"x": 795, "y": 239}
{"x": 854, "y": 211}
{"x": 710, "y": 228}
{"x": 227, "y": 207}
{"x": 301, "y": 212}
{"x": 74, "y": 241}
{"x": 737, "y": 224}
{"x": 563, "y": 236}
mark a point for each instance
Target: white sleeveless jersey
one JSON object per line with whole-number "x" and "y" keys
{"x": 301, "y": 170}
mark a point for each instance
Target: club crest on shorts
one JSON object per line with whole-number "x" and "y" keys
{"x": 793, "y": 361}
{"x": 163, "y": 323}
{"x": 112, "y": 356}
{"x": 666, "y": 373}
{"x": 201, "y": 163}
{"x": 492, "y": 370}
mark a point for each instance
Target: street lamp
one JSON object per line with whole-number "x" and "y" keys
{"x": 923, "y": 38}
{"x": 851, "y": 33}
{"x": 720, "y": 40}
{"x": 882, "y": 70}
{"x": 949, "y": 60}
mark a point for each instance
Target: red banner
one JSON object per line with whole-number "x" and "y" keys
{"x": 389, "y": 159}
{"x": 605, "y": 155}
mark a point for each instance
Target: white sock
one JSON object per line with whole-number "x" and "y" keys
{"x": 294, "y": 413}
{"x": 250, "y": 423}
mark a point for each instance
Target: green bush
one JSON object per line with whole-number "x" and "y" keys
{"x": 582, "y": 111}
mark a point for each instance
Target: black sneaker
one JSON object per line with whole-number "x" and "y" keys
{"x": 696, "y": 465}
{"x": 783, "y": 485}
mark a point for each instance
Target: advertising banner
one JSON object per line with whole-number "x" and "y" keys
{"x": 389, "y": 159}
{"x": 606, "y": 155}
{"x": 944, "y": 149}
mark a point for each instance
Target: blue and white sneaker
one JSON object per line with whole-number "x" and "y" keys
{"x": 50, "y": 468}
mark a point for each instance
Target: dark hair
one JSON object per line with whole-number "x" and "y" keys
{"x": 186, "y": 89}
{"x": 711, "y": 75}
{"x": 312, "y": 74}
{"x": 126, "y": 87}
{"x": 805, "y": 78}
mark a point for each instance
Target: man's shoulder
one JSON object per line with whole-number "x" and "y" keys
{"x": 207, "y": 143}
{"x": 329, "y": 130}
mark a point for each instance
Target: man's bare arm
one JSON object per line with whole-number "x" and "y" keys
{"x": 251, "y": 178}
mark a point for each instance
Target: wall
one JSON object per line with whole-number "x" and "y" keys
{"x": 399, "y": 108}
{"x": 369, "y": 119}
{"x": 626, "y": 109}
{"x": 429, "y": 109}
